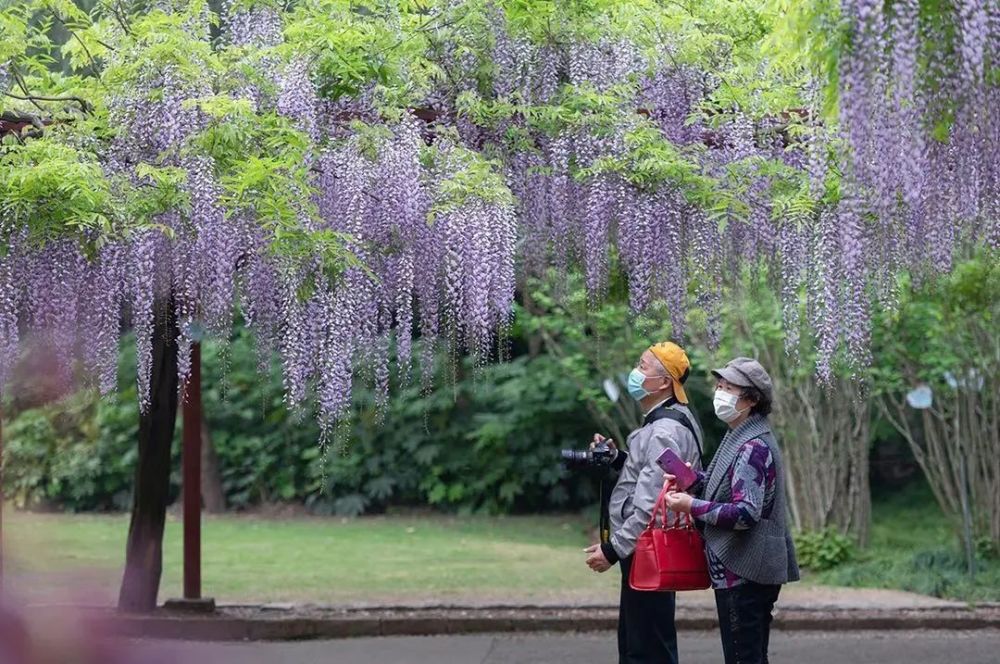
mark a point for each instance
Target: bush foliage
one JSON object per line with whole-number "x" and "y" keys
{"x": 822, "y": 549}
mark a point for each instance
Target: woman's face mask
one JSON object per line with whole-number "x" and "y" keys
{"x": 725, "y": 405}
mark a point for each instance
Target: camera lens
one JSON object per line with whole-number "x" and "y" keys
{"x": 576, "y": 455}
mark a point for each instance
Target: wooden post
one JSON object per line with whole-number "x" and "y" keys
{"x": 191, "y": 488}
{"x": 191, "y": 460}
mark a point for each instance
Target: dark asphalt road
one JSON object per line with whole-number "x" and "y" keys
{"x": 924, "y": 647}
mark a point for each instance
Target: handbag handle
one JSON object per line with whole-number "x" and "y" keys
{"x": 685, "y": 517}
{"x": 660, "y": 506}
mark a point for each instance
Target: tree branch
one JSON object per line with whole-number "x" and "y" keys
{"x": 84, "y": 106}
{"x": 93, "y": 63}
{"x": 24, "y": 86}
{"x": 119, "y": 15}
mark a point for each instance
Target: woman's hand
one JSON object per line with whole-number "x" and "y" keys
{"x": 672, "y": 479}
{"x": 677, "y": 501}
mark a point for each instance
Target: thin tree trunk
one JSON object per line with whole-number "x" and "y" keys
{"x": 825, "y": 444}
{"x": 212, "y": 495}
{"x": 535, "y": 338}
{"x": 1, "y": 494}
{"x": 144, "y": 550}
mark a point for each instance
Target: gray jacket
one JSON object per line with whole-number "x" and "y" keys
{"x": 764, "y": 553}
{"x": 641, "y": 478}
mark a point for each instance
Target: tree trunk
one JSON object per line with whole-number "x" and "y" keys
{"x": 535, "y": 339}
{"x": 212, "y": 495}
{"x": 1, "y": 494}
{"x": 144, "y": 550}
{"x": 825, "y": 441}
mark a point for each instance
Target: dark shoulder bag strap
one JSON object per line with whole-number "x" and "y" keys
{"x": 664, "y": 412}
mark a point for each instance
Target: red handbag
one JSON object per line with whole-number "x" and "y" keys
{"x": 669, "y": 558}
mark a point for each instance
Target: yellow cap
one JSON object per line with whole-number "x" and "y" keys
{"x": 675, "y": 361}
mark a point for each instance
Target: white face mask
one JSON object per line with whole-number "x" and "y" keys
{"x": 725, "y": 406}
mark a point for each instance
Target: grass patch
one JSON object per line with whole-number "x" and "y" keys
{"x": 914, "y": 547}
{"x": 323, "y": 560}
{"x": 422, "y": 558}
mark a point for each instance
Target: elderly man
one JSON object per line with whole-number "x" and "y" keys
{"x": 646, "y": 632}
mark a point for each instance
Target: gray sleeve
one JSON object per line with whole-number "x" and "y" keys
{"x": 647, "y": 488}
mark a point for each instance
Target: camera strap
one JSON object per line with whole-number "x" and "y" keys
{"x": 665, "y": 412}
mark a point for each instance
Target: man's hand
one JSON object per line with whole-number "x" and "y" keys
{"x": 596, "y": 560}
{"x": 677, "y": 501}
{"x": 598, "y": 439}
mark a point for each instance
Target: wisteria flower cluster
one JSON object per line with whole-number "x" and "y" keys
{"x": 439, "y": 207}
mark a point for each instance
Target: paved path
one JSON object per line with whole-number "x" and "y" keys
{"x": 792, "y": 595}
{"x": 100, "y": 588}
{"x": 926, "y": 647}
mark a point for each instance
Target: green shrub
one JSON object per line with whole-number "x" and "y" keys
{"x": 986, "y": 549}
{"x": 490, "y": 442}
{"x": 76, "y": 454}
{"x": 823, "y": 549}
{"x": 927, "y": 559}
{"x": 938, "y": 571}
{"x": 483, "y": 439}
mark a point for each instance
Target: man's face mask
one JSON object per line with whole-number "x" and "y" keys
{"x": 635, "y": 380}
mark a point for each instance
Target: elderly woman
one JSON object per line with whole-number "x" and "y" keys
{"x": 739, "y": 505}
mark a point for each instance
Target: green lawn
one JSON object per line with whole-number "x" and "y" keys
{"x": 435, "y": 558}
{"x": 915, "y": 548}
{"x": 321, "y": 560}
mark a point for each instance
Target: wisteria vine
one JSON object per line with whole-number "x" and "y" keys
{"x": 441, "y": 206}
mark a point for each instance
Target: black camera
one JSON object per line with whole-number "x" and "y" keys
{"x": 596, "y": 462}
{"x": 598, "y": 457}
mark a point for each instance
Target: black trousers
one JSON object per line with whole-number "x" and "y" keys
{"x": 745, "y": 621}
{"x": 646, "y": 632}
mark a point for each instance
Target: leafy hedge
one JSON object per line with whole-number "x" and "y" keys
{"x": 77, "y": 453}
{"x": 488, "y": 442}
{"x": 483, "y": 439}
{"x": 822, "y": 549}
